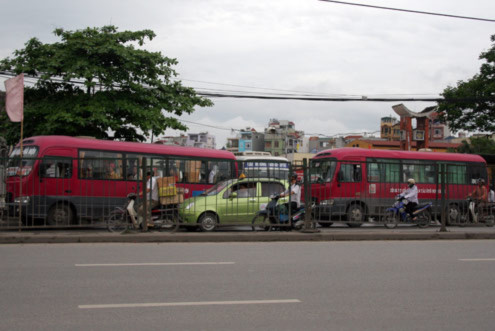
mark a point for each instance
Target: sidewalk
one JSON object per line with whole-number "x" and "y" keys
{"x": 244, "y": 235}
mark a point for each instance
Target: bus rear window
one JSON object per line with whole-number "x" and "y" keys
{"x": 29, "y": 154}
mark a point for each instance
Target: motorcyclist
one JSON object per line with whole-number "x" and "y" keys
{"x": 295, "y": 194}
{"x": 411, "y": 197}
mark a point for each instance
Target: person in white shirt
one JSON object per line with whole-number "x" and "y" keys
{"x": 295, "y": 194}
{"x": 411, "y": 196}
{"x": 491, "y": 195}
{"x": 151, "y": 186}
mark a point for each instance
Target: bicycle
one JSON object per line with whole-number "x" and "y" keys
{"x": 475, "y": 213}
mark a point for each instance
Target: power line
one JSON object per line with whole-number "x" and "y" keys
{"x": 410, "y": 11}
{"x": 362, "y": 99}
{"x": 262, "y": 97}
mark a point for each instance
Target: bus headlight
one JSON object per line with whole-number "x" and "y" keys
{"x": 22, "y": 200}
{"x": 190, "y": 206}
{"x": 327, "y": 202}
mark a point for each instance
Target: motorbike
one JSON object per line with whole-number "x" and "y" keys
{"x": 472, "y": 214}
{"x": 397, "y": 214}
{"x": 276, "y": 216}
{"x": 163, "y": 217}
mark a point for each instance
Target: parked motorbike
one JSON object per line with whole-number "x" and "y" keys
{"x": 397, "y": 214}
{"x": 276, "y": 216}
{"x": 163, "y": 217}
{"x": 475, "y": 214}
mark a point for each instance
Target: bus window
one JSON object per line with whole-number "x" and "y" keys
{"x": 476, "y": 171}
{"x": 350, "y": 172}
{"x": 456, "y": 174}
{"x": 100, "y": 165}
{"x": 383, "y": 170}
{"x": 51, "y": 167}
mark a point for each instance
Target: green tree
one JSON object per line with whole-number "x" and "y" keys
{"x": 471, "y": 104}
{"x": 477, "y": 145}
{"x": 98, "y": 82}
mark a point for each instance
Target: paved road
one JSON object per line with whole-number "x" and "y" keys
{"x": 379, "y": 285}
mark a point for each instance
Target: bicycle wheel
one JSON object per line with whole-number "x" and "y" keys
{"x": 391, "y": 219}
{"x": 260, "y": 223}
{"x": 117, "y": 222}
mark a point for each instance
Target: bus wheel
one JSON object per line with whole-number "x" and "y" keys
{"x": 207, "y": 222}
{"x": 453, "y": 215}
{"x": 60, "y": 215}
{"x": 325, "y": 224}
{"x": 355, "y": 216}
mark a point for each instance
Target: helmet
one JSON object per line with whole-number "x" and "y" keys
{"x": 411, "y": 181}
{"x": 242, "y": 176}
{"x": 481, "y": 181}
{"x": 294, "y": 176}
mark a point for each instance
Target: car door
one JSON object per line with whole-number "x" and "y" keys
{"x": 239, "y": 202}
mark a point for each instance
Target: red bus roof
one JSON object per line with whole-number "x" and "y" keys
{"x": 342, "y": 153}
{"x": 121, "y": 146}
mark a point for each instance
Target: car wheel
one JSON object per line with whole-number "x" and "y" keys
{"x": 60, "y": 215}
{"x": 207, "y": 222}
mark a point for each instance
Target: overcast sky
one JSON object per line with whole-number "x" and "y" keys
{"x": 291, "y": 45}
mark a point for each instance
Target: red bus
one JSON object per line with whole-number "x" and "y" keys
{"x": 354, "y": 184}
{"x": 68, "y": 179}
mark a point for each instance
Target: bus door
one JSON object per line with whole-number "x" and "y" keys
{"x": 55, "y": 182}
{"x": 350, "y": 180}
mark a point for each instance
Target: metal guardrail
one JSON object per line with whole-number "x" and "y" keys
{"x": 63, "y": 198}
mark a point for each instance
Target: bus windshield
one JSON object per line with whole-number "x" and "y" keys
{"x": 29, "y": 154}
{"x": 322, "y": 171}
{"x": 278, "y": 170}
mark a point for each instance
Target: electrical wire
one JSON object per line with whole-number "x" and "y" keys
{"x": 410, "y": 11}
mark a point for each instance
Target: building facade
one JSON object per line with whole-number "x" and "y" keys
{"x": 282, "y": 139}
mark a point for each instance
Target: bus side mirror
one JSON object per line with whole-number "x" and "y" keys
{"x": 233, "y": 195}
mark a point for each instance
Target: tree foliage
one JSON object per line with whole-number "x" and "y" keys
{"x": 471, "y": 104}
{"x": 477, "y": 145}
{"x": 98, "y": 82}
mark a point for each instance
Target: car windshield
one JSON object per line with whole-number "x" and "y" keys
{"x": 29, "y": 154}
{"x": 214, "y": 190}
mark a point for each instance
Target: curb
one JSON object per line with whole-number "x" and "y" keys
{"x": 157, "y": 237}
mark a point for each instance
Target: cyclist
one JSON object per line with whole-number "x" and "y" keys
{"x": 411, "y": 196}
{"x": 480, "y": 197}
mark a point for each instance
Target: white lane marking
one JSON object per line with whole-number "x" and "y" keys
{"x": 198, "y": 303}
{"x": 150, "y": 264}
{"x": 468, "y": 260}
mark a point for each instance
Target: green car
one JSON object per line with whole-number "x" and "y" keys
{"x": 233, "y": 201}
